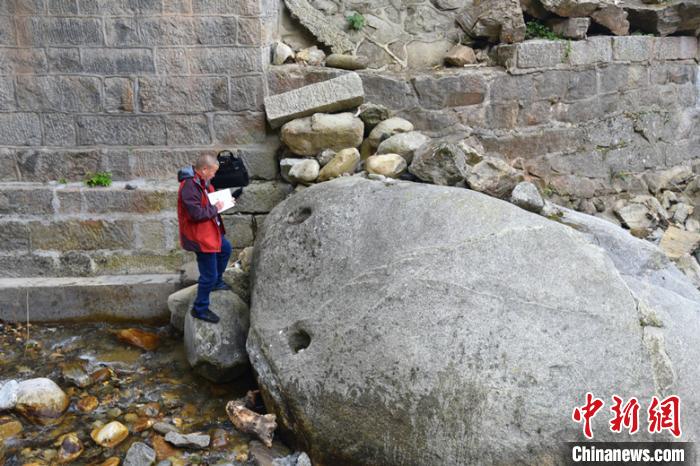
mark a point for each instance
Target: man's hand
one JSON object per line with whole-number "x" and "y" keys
{"x": 219, "y": 205}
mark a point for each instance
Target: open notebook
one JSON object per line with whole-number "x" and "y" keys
{"x": 223, "y": 195}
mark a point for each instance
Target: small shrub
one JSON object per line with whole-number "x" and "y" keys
{"x": 537, "y": 30}
{"x": 98, "y": 179}
{"x": 356, "y": 21}
{"x": 63, "y": 181}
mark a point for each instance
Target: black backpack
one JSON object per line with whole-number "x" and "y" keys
{"x": 232, "y": 171}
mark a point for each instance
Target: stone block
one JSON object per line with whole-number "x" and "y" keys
{"x": 151, "y": 235}
{"x": 422, "y": 55}
{"x": 55, "y": 31}
{"x": 591, "y": 51}
{"x": 333, "y": 95}
{"x": 571, "y": 28}
{"x": 676, "y": 73}
{"x": 161, "y": 163}
{"x": 59, "y": 129}
{"x": 239, "y": 128}
{"x": 239, "y": 230}
{"x": 177, "y": 7}
{"x": 449, "y": 91}
{"x": 541, "y": 54}
{"x": 616, "y": 77}
{"x": 188, "y": 130}
{"x": 262, "y": 197}
{"x": 53, "y": 164}
{"x": 118, "y": 61}
{"x": 70, "y": 199}
{"x": 7, "y": 94}
{"x": 27, "y": 265}
{"x": 121, "y": 130}
{"x": 122, "y": 31}
{"x": 139, "y": 262}
{"x": 183, "y": 94}
{"x": 7, "y": 31}
{"x": 119, "y": 95}
{"x": 171, "y": 61}
{"x": 226, "y": 7}
{"x": 64, "y": 60}
{"x": 166, "y": 30}
{"x": 394, "y": 92}
{"x": 14, "y": 236}
{"x": 68, "y": 235}
{"x": 63, "y": 7}
{"x": 507, "y": 88}
{"x": 225, "y": 60}
{"x": 632, "y": 48}
{"x": 20, "y": 129}
{"x": 25, "y": 199}
{"x": 138, "y": 201}
{"x": 121, "y": 7}
{"x": 261, "y": 160}
{"x": 251, "y": 32}
{"x": 215, "y": 30}
{"x": 247, "y": 93}
{"x": 59, "y": 93}
{"x": 675, "y": 48}
{"x": 22, "y": 60}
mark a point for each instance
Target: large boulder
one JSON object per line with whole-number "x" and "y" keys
{"x": 40, "y": 400}
{"x": 217, "y": 351}
{"x": 442, "y": 163}
{"x": 438, "y": 322}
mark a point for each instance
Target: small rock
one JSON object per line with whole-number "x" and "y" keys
{"x": 366, "y": 149}
{"x": 219, "y": 439}
{"x": 526, "y": 196}
{"x": 163, "y": 428}
{"x": 303, "y": 459}
{"x": 692, "y": 225}
{"x": 110, "y": 435}
{"x": 404, "y": 144}
{"x": 41, "y": 400}
{"x": 246, "y": 258}
{"x": 195, "y": 440}
{"x": 239, "y": 281}
{"x": 346, "y": 62}
{"x": 681, "y": 212}
{"x": 179, "y": 305}
{"x": 74, "y": 372}
{"x": 142, "y": 423}
{"x": 130, "y": 187}
{"x": 282, "y": 53}
{"x": 690, "y": 267}
{"x": 494, "y": 177}
{"x": 112, "y": 461}
{"x": 670, "y": 179}
{"x": 264, "y": 456}
{"x": 442, "y": 163}
{"x": 70, "y": 448}
{"x": 286, "y": 165}
{"x": 312, "y": 56}
{"x": 304, "y": 172}
{"x": 145, "y": 340}
{"x": 677, "y": 243}
{"x": 389, "y": 165}
{"x": 668, "y": 198}
{"x": 140, "y": 454}
{"x": 372, "y": 115}
{"x": 388, "y": 128}
{"x": 460, "y": 55}
{"x": 325, "y": 156}
{"x": 114, "y": 412}
{"x": 163, "y": 449}
{"x": 8, "y": 395}
{"x": 614, "y": 18}
{"x": 344, "y": 162}
{"x": 641, "y": 214}
{"x": 10, "y": 429}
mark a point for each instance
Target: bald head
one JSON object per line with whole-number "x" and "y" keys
{"x": 205, "y": 161}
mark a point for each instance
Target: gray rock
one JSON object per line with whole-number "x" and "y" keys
{"x": 194, "y": 441}
{"x": 496, "y": 20}
{"x": 286, "y": 164}
{"x": 372, "y": 114}
{"x": 310, "y": 135}
{"x": 163, "y": 428}
{"x": 641, "y": 214}
{"x": 305, "y": 172}
{"x": 333, "y": 95}
{"x": 526, "y": 196}
{"x": 677, "y": 243}
{"x": 460, "y": 55}
{"x": 325, "y": 156}
{"x": 217, "y": 351}
{"x": 238, "y": 280}
{"x": 571, "y": 28}
{"x": 692, "y": 225}
{"x": 312, "y": 56}
{"x": 404, "y": 144}
{"x": 690, "y": 267}
{"x": 346, "y": 62}
{"x": 443, "y": 163}
{"x": 681, "y": 212}
{"x": 387, "y": 128}
{"x": 179, "y": 304}
{"x": 8, "y": 394}
{"x": 140, "y": 454}
{"x": 318, "y": 24}
{"x": 671, "y": 179}
{"x": 282, "y": 53}
{"x": 426, "y": 282}
{"x": 614, "y": 18}
{"x": 388, "y": 165}
{"x": 494, "y": 177}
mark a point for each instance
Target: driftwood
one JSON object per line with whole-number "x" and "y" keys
{"x": 248, "y": 421}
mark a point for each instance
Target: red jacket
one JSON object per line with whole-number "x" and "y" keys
{"x": 200, "y": 224}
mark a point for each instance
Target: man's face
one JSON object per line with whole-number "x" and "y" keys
{"x": 207, "y": 173}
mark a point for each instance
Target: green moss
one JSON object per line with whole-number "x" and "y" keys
{"x": 356, "y": 21}
{"x": 537, "y": 30}
{"x": 98, "y": 179}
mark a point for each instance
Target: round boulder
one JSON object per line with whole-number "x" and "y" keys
{"x": 438, "y": 325}
{"x": 309, "y": 136}
{"x": 390, "y": 165}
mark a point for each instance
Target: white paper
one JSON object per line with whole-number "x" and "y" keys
{"x": 223, "y": 195}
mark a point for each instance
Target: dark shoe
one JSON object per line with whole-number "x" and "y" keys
{"x": 205, "y": 315}
{"x": 221, "y": 287}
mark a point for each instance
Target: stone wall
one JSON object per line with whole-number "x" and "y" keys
{"x": 584, "y": 118}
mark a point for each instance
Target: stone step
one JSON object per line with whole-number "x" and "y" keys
{"x": 107, "y": 298}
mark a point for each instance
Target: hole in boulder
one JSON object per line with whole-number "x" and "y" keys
{"x": 299, "y": 215}
{"x": 299, "y": 340}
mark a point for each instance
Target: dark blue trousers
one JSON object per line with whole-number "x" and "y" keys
{"x": 211, "y": 271}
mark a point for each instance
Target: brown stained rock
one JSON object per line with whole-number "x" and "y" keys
{"x": 250, "y": 422}
{"x": 133, "y": 336}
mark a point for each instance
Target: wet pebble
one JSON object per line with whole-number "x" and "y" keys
{"x": 110, "y": 435}
{"x": 10, "y": 429}
{"x": 75, "y": 372}
{"x": 70, "y": 448}
{"x": 195, "y": 440}
{"x": 140, "y": 454}
{"x": 164, "y": 428}
{"x": 139, "y": 338}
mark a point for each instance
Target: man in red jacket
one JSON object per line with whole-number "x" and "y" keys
{"x": 202, "y": 231}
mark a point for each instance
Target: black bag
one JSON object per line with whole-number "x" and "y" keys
{"x": 232, "y": 171}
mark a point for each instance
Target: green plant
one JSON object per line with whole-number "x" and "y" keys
{"x": 548, "y": 191}
{"x": 537, "y": 30}
{"x": 62, "y": 180}
{"x": 356, "y": 21}
{"x": 98, "y": 179}
{"x": 567, "y": 49}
